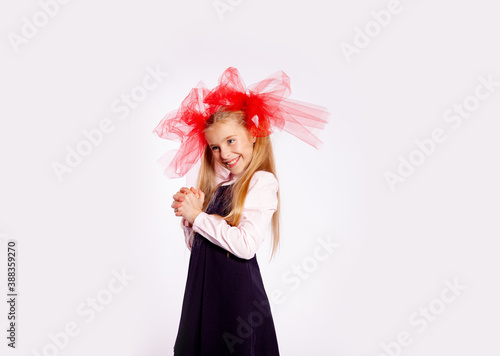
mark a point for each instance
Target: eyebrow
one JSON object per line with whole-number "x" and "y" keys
{"x": 223, "y": 139}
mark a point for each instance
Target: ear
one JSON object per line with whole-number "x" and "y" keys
{"x": 254, "y": 138}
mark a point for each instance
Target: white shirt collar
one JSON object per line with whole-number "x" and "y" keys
{"x": 223, "y": 175}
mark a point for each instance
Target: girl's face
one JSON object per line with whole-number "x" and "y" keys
{"x": 231, "y": 145}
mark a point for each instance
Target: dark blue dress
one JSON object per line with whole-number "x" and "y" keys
{"x": 225, "y": 309}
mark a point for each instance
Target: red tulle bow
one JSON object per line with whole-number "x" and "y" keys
{"x": 265, "y": 106}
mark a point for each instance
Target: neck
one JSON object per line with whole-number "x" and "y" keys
{"x": 231, "y": 175}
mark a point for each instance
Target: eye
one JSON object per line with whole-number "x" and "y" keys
{"x": 214, "y": 148}
{"x": 231, "y": 140}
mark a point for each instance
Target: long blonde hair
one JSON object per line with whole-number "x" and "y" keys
{"x": 262, "y": 160}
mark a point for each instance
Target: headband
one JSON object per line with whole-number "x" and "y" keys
{"x": 264, "y": 104}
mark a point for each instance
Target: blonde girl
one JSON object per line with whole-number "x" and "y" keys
{"x": 235, "y": 206}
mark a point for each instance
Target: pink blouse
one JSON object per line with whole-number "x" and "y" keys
{"x": 243, "y": 240}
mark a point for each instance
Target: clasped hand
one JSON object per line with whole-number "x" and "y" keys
{"x": 188, "y": 203}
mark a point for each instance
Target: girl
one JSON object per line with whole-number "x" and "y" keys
{"x": 225, "y": 309}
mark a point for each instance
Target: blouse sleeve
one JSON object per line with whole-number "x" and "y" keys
{"x": 243, "y": 240}
{"x": 188, "y": 233}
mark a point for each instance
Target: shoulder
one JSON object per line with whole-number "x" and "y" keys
{"x": 262, "y": 191}
{"x": 261, "y": 179}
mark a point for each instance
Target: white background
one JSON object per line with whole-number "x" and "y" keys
{"x": 112, "y": 211}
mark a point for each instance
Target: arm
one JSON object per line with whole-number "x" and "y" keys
{"x": 244, "y": 240}
{"x": 186, "y": 226}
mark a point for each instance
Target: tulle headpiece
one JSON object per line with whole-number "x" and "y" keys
{"x": 265, "y": 105}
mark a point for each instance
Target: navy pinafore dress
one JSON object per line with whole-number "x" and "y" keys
{"x": 225, "y": 310}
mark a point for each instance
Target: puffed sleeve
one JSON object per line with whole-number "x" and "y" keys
{"x": 188, "y": 233}
{"x": 243, "y": 240}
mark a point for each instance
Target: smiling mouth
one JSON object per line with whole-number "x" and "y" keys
{"x": 232, "y": 163}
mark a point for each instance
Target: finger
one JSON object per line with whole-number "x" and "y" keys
{"x": 195, "y": 192}
{"x": 185, "y": 190}
{"x": 176, "y": 205}
{"x": 179, "y": 196}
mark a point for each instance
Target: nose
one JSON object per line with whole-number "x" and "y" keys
{"x": 224, "y": 152}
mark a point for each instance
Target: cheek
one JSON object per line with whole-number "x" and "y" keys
{"x": 214, "y": 154}
{"x": 250, "y": 150}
